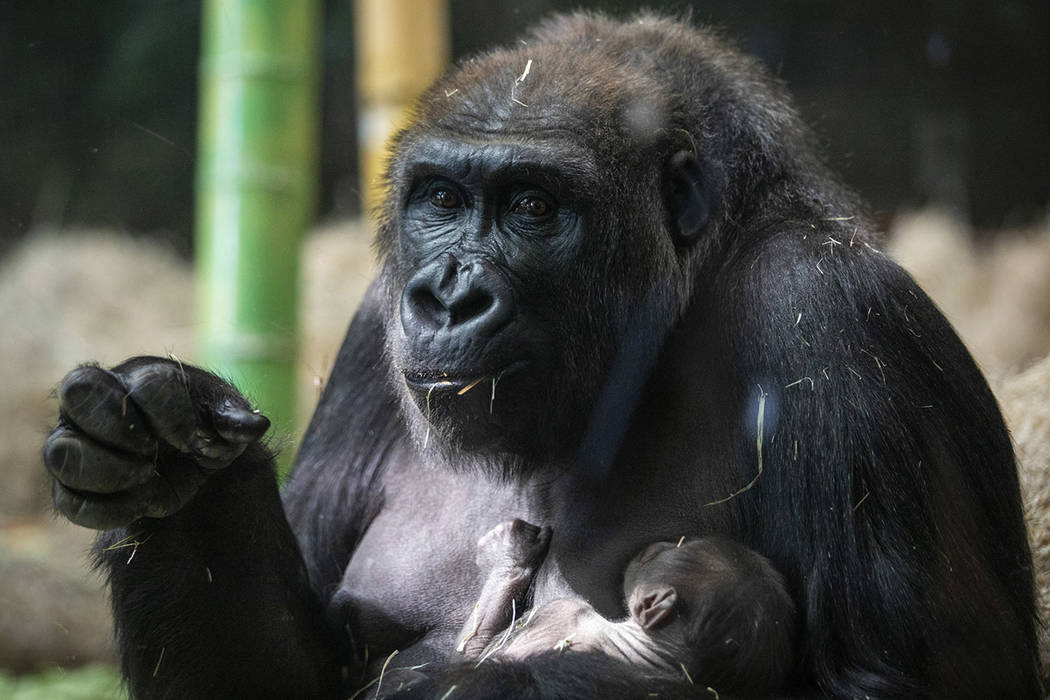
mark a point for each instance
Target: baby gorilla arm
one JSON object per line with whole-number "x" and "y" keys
{"x": 508, "y": 556}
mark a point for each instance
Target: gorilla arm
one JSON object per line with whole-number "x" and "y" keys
{"x": 214, "y": 601}
{"x": 209, "y": 590}
{"x": 889, "y": 469}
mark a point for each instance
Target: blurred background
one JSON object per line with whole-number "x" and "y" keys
{"x": 931, "y": 101}
{"x": 921, "y": 102}
{"x": 936, "y": 111}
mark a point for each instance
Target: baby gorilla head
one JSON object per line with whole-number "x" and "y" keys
{"x": 722, "y": 607}
{"x": 709, "y": 608}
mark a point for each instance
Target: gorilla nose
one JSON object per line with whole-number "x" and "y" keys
{"x": 456, "y": 298}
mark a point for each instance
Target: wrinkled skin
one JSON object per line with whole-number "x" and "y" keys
{"x": 681, "y": 324}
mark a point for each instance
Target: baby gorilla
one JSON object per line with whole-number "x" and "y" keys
{"x": 708, "y": 608}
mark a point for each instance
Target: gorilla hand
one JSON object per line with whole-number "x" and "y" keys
{"x": 140, "y": 439}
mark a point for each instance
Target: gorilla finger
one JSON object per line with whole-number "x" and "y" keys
{"x": 533, "y": 543}
{"x": 99, "y": 512}
{"x": 95, "y": 401}
{"x": 192, "y": 410}
{"x": 237, "y": 424}
{"x": 82, "y": 464}
{"x": 161, "y": 391}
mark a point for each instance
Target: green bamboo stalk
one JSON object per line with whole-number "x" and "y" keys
{"x": 256, "y": 192}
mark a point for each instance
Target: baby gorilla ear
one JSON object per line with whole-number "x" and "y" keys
{"x": 653, "y": 607}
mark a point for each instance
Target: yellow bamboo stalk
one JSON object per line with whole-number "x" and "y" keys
{"x": 402, "y": 46}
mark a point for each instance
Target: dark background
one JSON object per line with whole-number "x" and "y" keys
{"x": 936, "y": 101}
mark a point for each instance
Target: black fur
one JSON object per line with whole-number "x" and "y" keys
{"x": 698, "y": 343}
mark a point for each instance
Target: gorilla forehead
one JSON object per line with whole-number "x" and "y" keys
{"x": 632, "y": 93}
{"x": 581, "y": 95}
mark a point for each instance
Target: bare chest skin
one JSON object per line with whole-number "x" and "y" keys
{"x": 413, "y": 580}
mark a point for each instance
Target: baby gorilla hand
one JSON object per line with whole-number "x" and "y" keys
{"x": 140, "y": 439}
{"x": 513, "y": 544}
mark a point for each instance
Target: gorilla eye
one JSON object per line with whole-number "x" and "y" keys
{"x": 444, "y": 198}
{"x": 534, "y": 207}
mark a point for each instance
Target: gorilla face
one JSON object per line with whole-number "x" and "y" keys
{"x": 489, "y": 238}
{"x": 534, "y": 228}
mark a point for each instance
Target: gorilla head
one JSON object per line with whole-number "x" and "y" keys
{"x": 548, "y": 214}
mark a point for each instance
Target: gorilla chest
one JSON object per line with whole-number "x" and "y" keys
{"x": 413, "y": 580}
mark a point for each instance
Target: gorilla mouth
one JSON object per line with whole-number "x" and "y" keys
{"x": 471, "y": 403}
{"x": 471, "y": 409}
{"x": 432, "y": 381}
{"x": 454, "y": 383}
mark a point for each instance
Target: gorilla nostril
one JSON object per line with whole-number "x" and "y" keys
{"x": 428, "y": 308}
{"x": 472, "y": 305}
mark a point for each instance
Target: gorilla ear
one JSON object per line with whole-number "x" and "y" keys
{"x": 654, "y": 608}
{"x": 689, "y": 198}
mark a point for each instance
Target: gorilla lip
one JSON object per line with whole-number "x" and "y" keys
{"x": 419, "y": 381}
{"x": 425, "y": 380}
{"x": 460, "y": 382}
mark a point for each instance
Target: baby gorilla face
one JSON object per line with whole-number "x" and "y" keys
{"x": 684, "y": 566}
{"x": 719, "y": 606}
{"x": 649, "y": 564}
{"x": 662, "y": 578}
{"x": 667, "y": 581}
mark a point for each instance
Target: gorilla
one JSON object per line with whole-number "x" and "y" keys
{"x": 619, "y": 294}
{"x": 706, "y": 607}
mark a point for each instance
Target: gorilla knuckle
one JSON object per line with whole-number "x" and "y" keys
{"x": 81, "y": 463}
{"x": 96, "y": 512}
{"x": 98, "y": 404}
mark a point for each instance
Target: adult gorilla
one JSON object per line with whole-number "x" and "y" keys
{"x": 622, "y": 297}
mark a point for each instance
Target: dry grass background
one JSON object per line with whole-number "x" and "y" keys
{"x": 72, "y": 296}
{"x": 998, "y": 297}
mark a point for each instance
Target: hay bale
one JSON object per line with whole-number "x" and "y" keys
{"x": 66, "y": 298}
{"x": 338, "y": 265}
{"x": 997, "y": 297}
{"x": 53, "y": 609}
{"x": 74, "y": 296}
{"x": 1025, "y": 399}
